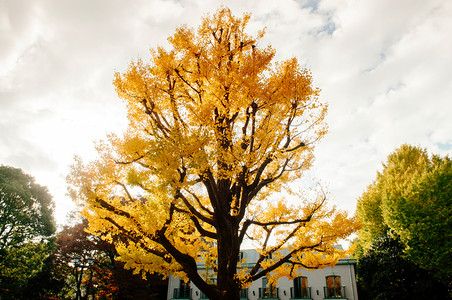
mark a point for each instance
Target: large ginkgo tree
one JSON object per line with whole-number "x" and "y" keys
{"x": 217, "y": 135}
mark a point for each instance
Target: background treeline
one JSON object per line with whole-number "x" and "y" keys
{"x": 405, "y": 244}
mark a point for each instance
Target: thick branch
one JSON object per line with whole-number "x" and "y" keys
{"x": 212, "y": 189}
{"x": 193, "y": 210}
{"x": 121, "y": 213}
{"x": 203, "y": 231}
{"x": 137, "y": 240}
{"x": 281, "y": 222}
{"x": 198, "y": 225}
{"x": 260, "y": 171}
{"x": 186, "y": 261}
{"x": 199, "y": 203}
{"x": 280, "y": 262}
{"x": 243, "y": 231}
{"x": 156, "y": 117}
{"x": 186, "y": 82}
{"x": 302, "y": 144}
{"x": 113, "y": 209}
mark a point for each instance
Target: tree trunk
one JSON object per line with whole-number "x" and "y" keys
{"x": 232, "y": 294}
{"x": 228, "y": 248}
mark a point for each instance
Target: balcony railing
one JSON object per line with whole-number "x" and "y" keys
{"x": 303, "y": 293}
{"x": 243, "y": 295}
{"x": 182, "y": 294}
{"x": 269, "y": 293}
{"x": 334, "y": 293}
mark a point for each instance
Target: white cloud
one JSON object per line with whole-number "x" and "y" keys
{"x": 385, "y": 73}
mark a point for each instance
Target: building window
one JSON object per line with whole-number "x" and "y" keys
{"x": 333, "y": 287}
{"x": 268, "y": 291}
{"x": 300, "y": 288}
{"x": 183, "y": 292}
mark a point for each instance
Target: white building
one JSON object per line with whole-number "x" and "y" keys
{"x": 338, "y": 282}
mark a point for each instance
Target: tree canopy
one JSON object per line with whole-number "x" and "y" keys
{"x": 26, "y": 223}
{"x": 411, "y": 196}
{"x": 217, "y": 134}
{"x": 27, "y": 208}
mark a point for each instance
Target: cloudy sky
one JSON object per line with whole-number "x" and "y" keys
{"x": 384, "y": 67}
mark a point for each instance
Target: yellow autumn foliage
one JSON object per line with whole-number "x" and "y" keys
{"x": 216, "y": 130}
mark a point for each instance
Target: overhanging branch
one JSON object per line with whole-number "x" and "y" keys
{"x": 281, "y": 222}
